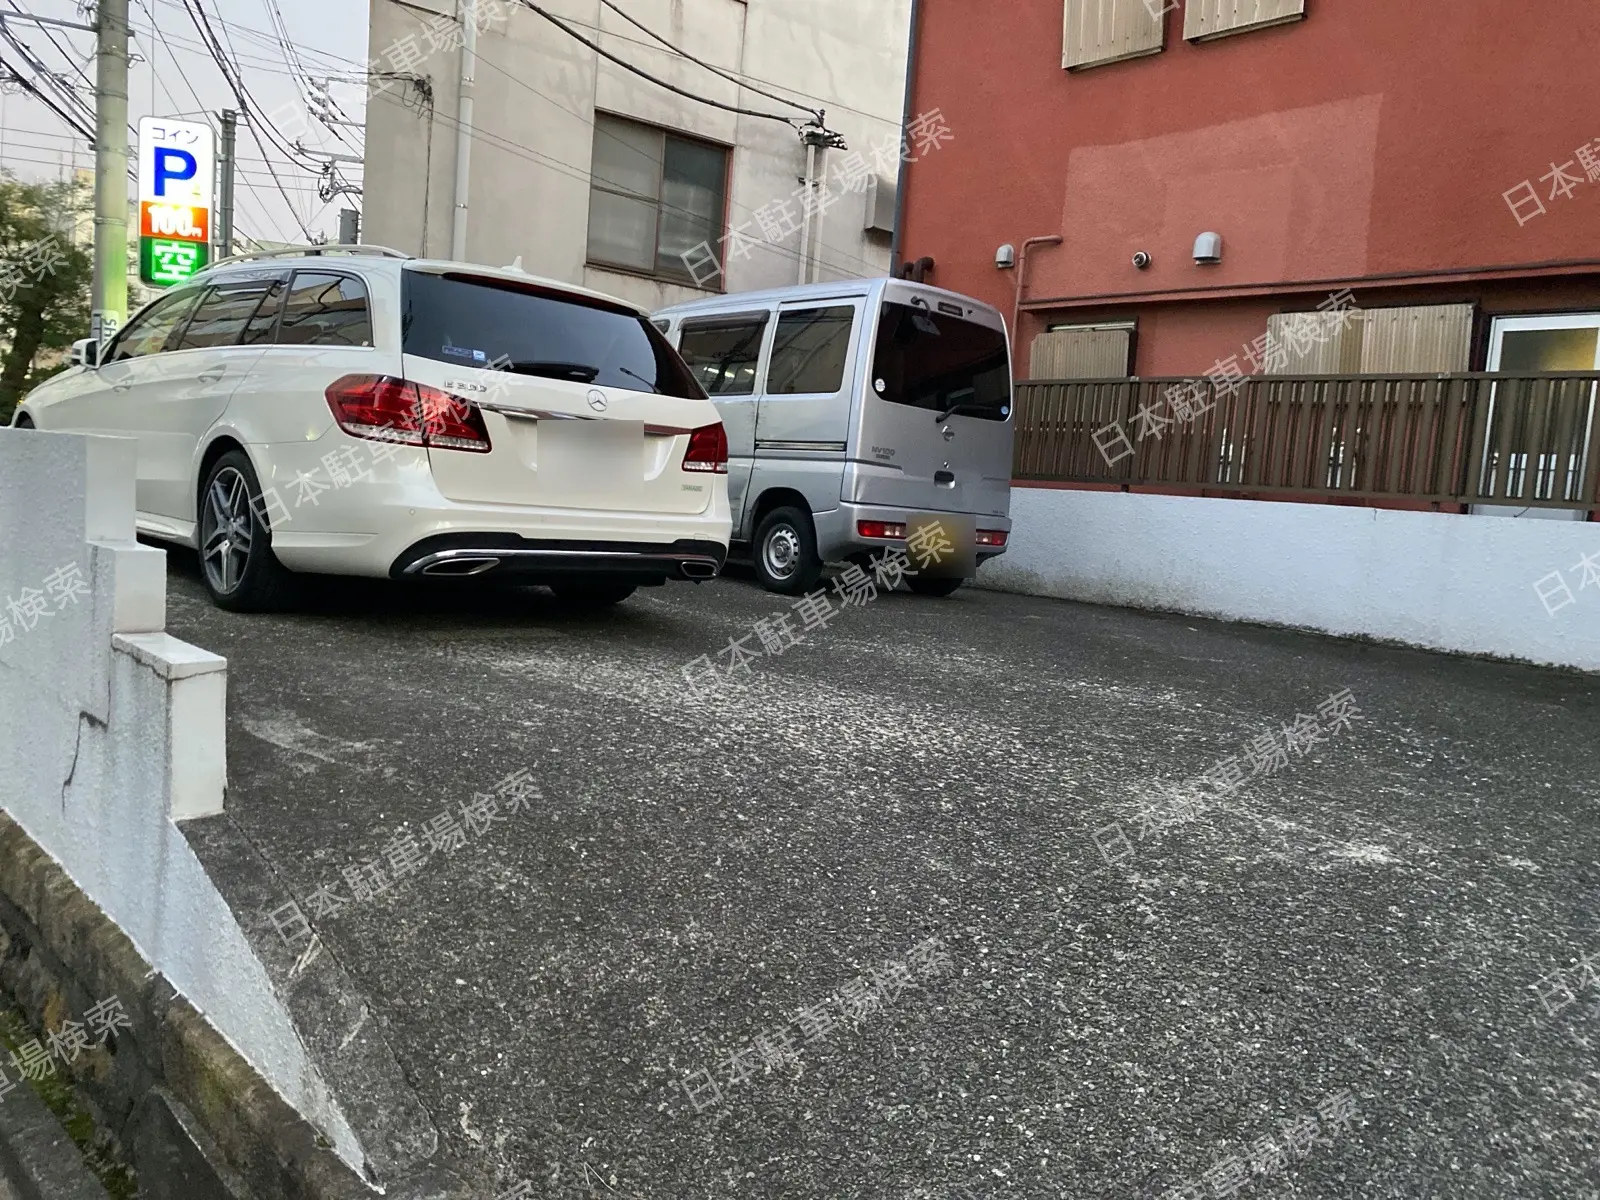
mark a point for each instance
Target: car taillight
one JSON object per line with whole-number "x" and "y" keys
{"x": 881, "y": 529}
{"x": 708, "y": 450}
{"x": 385, "y": 409}
{"x": 991, "y": 537}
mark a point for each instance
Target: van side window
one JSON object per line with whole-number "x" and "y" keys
{"x": 723, "y": 354}
{"x": 325, "y": 310}
{"x": 809, "y": 352}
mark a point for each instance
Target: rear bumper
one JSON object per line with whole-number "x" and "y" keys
{"x": 505, "y": 555}
{"x": 837, "y": 536}
{"x": 370, "y": 525}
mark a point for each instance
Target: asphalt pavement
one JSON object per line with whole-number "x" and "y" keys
{"x": 930, "y": 904}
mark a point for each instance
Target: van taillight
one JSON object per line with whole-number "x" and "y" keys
{"x": 888, "y": 530}
{"x": 382, "y": 408}
{"x": 708, "y": 450}
{"x": 991, "y": 537}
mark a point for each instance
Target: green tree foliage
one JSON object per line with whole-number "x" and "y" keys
{"x": 44, "y": 282}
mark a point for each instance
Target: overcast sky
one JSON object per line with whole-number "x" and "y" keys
{"x": 178, "y": 78}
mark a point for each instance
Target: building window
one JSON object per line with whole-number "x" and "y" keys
{"x": 655, "y": 201}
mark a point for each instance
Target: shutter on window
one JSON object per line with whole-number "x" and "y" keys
{"x": 1080, "y": 354}
{"x": 1409, "y": 341}
{"x": 1215, "y": 18}
{"x": 1314, "y": 343}
{"x": 1096, "y": 32}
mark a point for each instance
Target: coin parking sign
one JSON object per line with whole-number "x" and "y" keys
{"x": 177, "y": 161}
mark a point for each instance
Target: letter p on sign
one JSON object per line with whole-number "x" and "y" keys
{"x": 172, "y": 165}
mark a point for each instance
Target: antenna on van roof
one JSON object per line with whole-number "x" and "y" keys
{"x": 516, "y": 265}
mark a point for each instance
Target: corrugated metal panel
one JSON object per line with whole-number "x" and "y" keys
{"x": 1096, "y": 32}
{"x": 1401, "y": 341}
{"x": 1080, "y": 354}
{"x": 1314, "y": 343}
{"x": 1215, "y": 18}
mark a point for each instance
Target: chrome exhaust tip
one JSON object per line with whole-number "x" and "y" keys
{"x": 460, "y": 568}
{"x": 698, "y": 569}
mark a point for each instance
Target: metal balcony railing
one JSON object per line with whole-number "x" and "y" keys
{"x": 1526, "y": 440}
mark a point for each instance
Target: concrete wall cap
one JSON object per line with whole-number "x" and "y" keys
{"x": 167, "y": 656}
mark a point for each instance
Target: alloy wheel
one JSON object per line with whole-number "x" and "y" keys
{"x": 226, "y": 530}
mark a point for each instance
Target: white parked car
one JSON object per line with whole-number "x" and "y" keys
{"x": 352, "y": 411}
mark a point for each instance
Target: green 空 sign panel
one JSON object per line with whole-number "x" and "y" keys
{"x": 166, "y": 261}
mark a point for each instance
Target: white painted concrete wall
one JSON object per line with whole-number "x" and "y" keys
{"x": 537, "y": 92}
{"x": 1437, "y": 580}
{"x": 113, "y": 731}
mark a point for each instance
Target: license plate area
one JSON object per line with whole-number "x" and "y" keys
{"x": 588, "y": 461}
{"x": 943, "y": 545}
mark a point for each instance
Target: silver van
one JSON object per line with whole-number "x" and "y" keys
{"x": 856, "y": 412}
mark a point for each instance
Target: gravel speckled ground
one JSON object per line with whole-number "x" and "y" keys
{"x": 1369, "y": 919}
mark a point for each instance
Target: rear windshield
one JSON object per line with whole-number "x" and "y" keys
{"x": 935, "y": 361}
{"x": 472, "y": 321}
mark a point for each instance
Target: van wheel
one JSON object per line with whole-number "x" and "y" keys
{"x": 786, "y": 552}
{"x": 22, "y": 421}
{"x": 236, "y": 559}
{"x": 593, "y": 593}
{"x": 933, "y": 587}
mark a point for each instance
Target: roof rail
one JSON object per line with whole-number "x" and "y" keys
{"x": 312, "y": 252}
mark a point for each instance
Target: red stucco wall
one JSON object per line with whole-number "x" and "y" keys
{"x": 1369, "y": 145}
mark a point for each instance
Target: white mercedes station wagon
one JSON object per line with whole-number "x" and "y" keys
{"x": 352, "y": 411}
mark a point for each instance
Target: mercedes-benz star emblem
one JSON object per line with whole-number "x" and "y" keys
{"x": 949, "y": 434}
{"x": 597, "y": 400}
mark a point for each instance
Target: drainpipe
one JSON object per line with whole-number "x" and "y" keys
{"x": 1054, "y": 239}
{"x": 805, "y": 222}
{"x": 464, "y": 131}
{"x": 897, "y": 246}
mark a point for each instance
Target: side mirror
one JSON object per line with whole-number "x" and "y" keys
{"x": 86, "y": 352}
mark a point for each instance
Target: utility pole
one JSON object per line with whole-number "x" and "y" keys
{"x": 469, "y": 66}
{"x": 110, "y": 296}
{"x": 223, "y": 234}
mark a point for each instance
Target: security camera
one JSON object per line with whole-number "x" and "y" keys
{"x": 1006, "y": 257}
{"x": 1141, "y": 260}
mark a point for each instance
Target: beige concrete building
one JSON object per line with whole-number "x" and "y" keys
{"x": 592, "y": 174}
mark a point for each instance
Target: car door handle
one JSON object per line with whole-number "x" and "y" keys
{"x": 944, "y": 478}
{"x": 120, "y": 387}
{"x": 213, "y": 375}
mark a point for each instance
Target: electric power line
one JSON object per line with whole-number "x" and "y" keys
{"x": 252, "y": 110}
{"x": 715, "y": 70}
{"x": 64, "y": 92}
{"x": 304, "y": 83}
{"x": 643, "y": 74}
{"x": 255, "y": 121}
{"x": 28, "y": 85}
{"x": 66, "y": 51}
